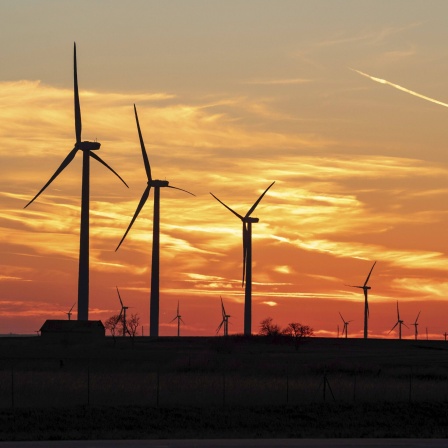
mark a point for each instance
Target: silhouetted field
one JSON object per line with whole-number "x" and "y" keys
{"x": 223, "y": 387}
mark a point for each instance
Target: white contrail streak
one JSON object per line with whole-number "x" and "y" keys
{"x": 403, "y": 89}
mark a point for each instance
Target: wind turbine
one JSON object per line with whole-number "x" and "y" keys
{"x": 416, "y": 325}
{"x": 155, "y": 262}
{"x": 225, "y": 320}
{"x": 179, "y": 319}
{"x": 445, "y": 334}
{"x": 69, "y": 314}
{"x": 87, "y": 149}
{"x": 399, "y": 323}
{"x": 247, "y": 221}
{"x": 122, "y": 313}
{"x": 365, "y": 288}
{"x": 345, "y": 329}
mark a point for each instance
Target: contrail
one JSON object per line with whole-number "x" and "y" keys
{"x": 403, "y": 89}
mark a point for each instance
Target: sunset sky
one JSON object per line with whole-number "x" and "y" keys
{"x": 342, "y": 103}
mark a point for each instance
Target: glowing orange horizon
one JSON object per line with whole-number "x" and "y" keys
{"x": 321, "y": 227}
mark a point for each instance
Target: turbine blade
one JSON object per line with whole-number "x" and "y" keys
{"x": 223, "y": 310}
{"x": 119, "y": 317}
{"x": 353, "y": 286}
{"x": 137, "y": 211}
{"x": 173, "y": 319}
{"x": 227, "y": 207}
{"x": 63, "y": 165}
{"x": 78, "y": 125}
{"x": 366, "y": 295}
{"x": 417, "y": 316}
{"x": 258, "y": 201}
{"x": 342, "y": 317}
{"x": 96, "y": 157}
{"x": 142, "y": 145}
{"x": 398, "y": 311}
{"x": 181, "y": 320}
{"x": 72, "y": 307}
{"x": 405, "y": 325}
{"x": 219, "y": 327}
{"x": 393, "y": 328}
{"x": 119, "y": 296}
{"x": 367, "y": 279}
{"x": 176, "y": 188}
{"x": 178, "y": 307}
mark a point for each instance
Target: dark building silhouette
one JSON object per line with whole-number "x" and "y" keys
{"x": 72, "y": 331}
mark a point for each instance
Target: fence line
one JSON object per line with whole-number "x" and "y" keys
{"x": 157, "y": 387}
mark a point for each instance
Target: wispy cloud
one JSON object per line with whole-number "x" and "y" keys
{"x": 273, "y": 82}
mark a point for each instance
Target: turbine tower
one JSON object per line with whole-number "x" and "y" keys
{"x": 122, "y": 313}
{"x": 87, "y": 149}
{"x": 345, "y": 329}
{"x": 155, "y": 263}
{"x": 179, "y": 320}
{"x": 247, "y": 221}
{"x": 365, "y": 289}
{"x": 69, "y": 314}
{"x": 416, "y": 326}
{"x": 225, "y": 320}
{"x": 399, "y": 323}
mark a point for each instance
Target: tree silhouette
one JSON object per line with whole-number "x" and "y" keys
{"x": 298, "y": 331}
{"x": 112, "y": 324}
{"x": 132, "y": 324}
{"x": 267, "y": 328}
{"x": 115, "y": 324}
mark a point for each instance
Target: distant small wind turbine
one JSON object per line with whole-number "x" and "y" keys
{"x": 155, "y": 262}
{"x": 345, "y": 329}
{"x": 225, "y": 320}
{"x": 87, "y": 149}
{"x": 416, "y": 326}
{"x": 365, "y": 289}
{"x": 445, "y": 334}
{"x": 69, "y": 314}
{"x": 247, "y": 221}
{"x": 122, "y": 313}
{"x": 399, "y": 323}
{"x": 179, "y": 319}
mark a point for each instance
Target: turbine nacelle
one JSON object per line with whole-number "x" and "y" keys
{"x": 158, "y": 183}
{"x": 88, "y": 146}
{"x": 249, "y": 219}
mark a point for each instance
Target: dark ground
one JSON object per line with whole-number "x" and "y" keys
{"x": 383, "y": 416}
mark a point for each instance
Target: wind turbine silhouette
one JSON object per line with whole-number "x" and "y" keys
{"x": 247, "y": 221}
{"x": 416, "y": 325}
{"x": 155, "y": 262}
{"x": 69, "y": 314}
{"x": 445, "y": 334}
{"x": 122, "y": 313}
{"x": 225, "y": 320}
{"x": 399, "y": 323}
{"x": 345, "y": 329}
{"x": 365, "y": 289}
{"x": 179, "y": 320}
{"x": 86, "y": 147}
